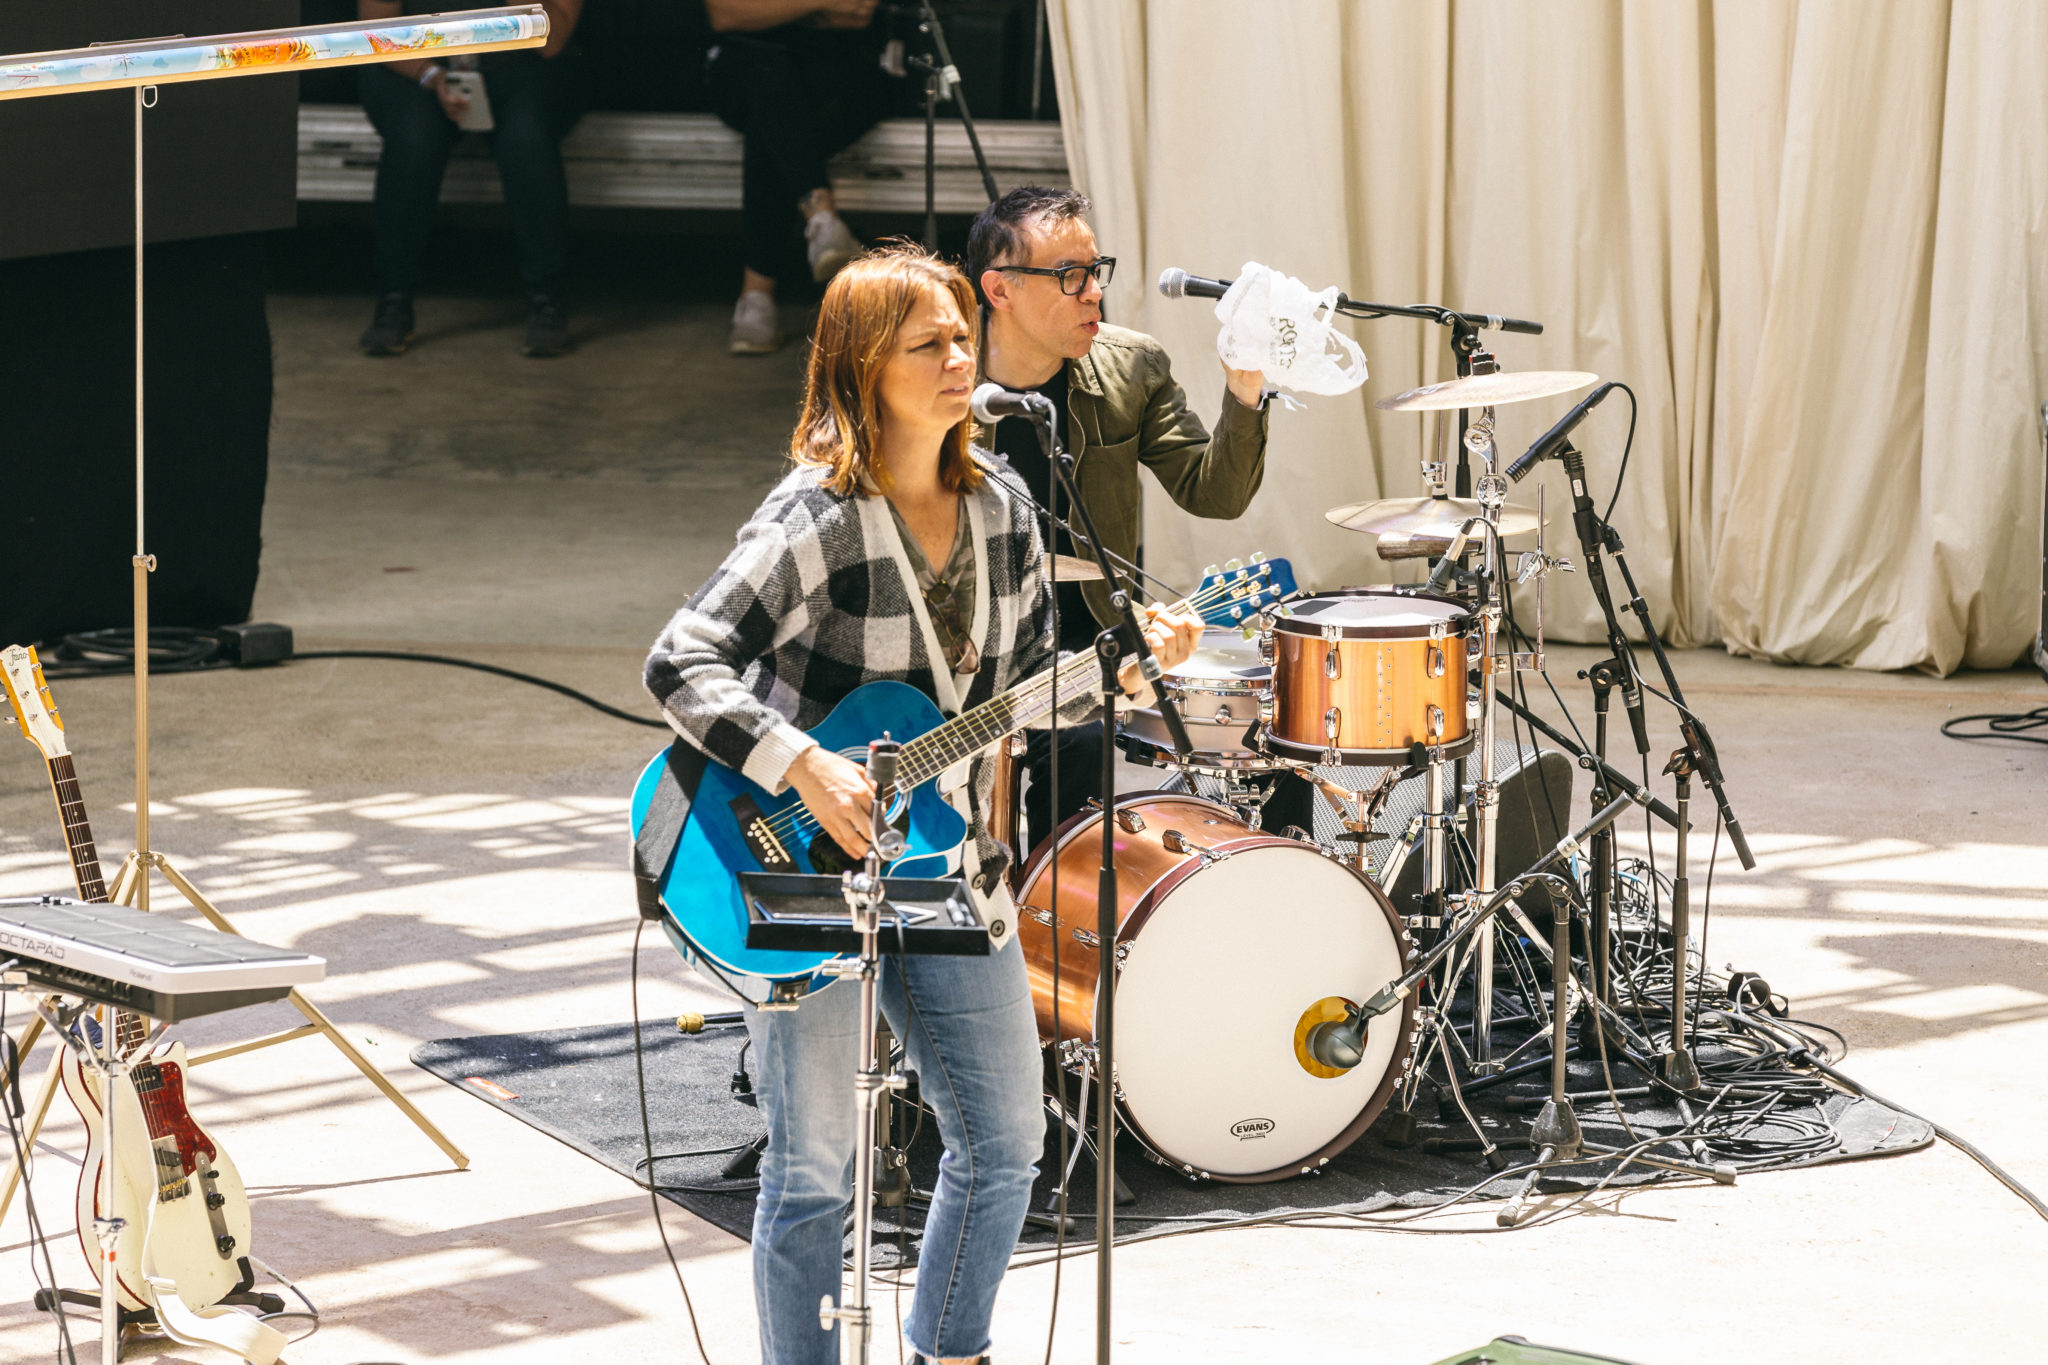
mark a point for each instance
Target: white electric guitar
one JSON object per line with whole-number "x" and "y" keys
{"x": 185, "y": 1213}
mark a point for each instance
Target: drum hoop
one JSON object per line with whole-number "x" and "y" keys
{"x": 1462, "y": 622}
{"x": 1219, "y": 687}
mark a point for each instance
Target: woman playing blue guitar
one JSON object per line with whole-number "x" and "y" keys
{"x": 885, "y": 557}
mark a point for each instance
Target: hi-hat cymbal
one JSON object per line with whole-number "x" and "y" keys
{"x": 1424, "y": 518}
{"x": 1487, "y": 390}
{"x": 1074, "y": 569}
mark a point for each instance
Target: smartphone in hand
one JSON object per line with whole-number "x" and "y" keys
{"x": 476, "y": 118}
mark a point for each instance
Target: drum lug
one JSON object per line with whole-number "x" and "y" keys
{"x": 1042, "y": 915}
{"x": 1130, "y": 822}
{"x": 1436, "y": 661}
{"x": 1266, "y": 647}
{"x": 1087, "y": 938}
{"x": 1332, "y": 719}
{"x": 1435, "y": 716}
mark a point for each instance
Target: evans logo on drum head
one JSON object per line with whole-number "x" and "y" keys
{"x": 1246, "y": 1129}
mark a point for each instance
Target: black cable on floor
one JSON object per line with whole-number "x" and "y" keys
{"x": 408, "y": 656}
{"x": 647, "y": 1137}
{"x": 2011, "y": 725}
{"x": 1955, "y": 1140}
{"x": 179, "y": 649}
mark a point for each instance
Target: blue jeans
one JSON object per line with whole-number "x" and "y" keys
{"x": 968, "y": 1025}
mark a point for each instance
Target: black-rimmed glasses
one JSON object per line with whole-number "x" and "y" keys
{"x": 1073, "y": 278}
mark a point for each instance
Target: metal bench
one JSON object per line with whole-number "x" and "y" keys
{"x": 692, "y": 161}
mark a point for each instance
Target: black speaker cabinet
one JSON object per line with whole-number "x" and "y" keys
{"x": 219, "y": 164}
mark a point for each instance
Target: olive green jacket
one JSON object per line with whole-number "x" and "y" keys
{"x": 1125, "y": 410}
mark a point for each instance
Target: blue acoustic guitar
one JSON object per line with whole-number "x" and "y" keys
{"x": 735, "y": 826}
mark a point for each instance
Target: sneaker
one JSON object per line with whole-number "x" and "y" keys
{"x": 755, "y": 330}
{"x": 547, "y": 328}
{"x": 829, "y": 243}
{"x": 390, "y": 331}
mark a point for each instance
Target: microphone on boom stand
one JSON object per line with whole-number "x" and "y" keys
{"x": 991, "y": 403}
{"x": 1556, "y": 444}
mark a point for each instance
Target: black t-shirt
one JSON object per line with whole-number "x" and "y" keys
{"x": 1016, "y": 440}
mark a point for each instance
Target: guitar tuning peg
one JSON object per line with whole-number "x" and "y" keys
{"x": 1233, "y": 565}
{"x": 1210, "y": 572}
{"x": 1258, "y": 557}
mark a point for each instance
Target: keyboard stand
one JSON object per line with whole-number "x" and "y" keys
{"x": 131, "y": 887}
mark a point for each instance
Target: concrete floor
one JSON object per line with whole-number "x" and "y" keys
{"x": 453, "y": 844}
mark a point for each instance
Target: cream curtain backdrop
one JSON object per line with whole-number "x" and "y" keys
{"x": 1809, "y": 235}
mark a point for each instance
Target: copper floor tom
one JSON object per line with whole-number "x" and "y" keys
{"x": 1361, "y": 675}
{"x": 1232, "y": 946}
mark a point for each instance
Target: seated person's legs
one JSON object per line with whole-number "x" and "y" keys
{"x": 533, "y": 105}
{"x": 417, "y": 139}
{"x": 796, "y": 98}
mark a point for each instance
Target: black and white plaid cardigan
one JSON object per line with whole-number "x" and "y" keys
{"x": 811, "y": 604}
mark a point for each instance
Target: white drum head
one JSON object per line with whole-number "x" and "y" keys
{"x": 1207, "y": 1006}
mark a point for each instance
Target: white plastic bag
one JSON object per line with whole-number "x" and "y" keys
{"x": 1275, "y": 324}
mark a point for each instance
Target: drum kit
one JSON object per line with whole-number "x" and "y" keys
{"x": 1250, "y": 939}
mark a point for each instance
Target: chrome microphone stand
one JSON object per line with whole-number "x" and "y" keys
{"x": 864, "y": 891}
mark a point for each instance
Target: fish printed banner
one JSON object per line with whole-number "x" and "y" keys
{"x": 165, "y": 61}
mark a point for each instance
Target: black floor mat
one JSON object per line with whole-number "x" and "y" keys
{"x": 577, "y": 1085}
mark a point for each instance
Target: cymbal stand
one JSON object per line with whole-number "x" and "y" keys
{"x": 1492, "y": 494}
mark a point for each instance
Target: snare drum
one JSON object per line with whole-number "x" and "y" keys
{"x": 1232, "y": 947}
{"x": 1361, "y": 675}
{"x": 1219, "y": 690}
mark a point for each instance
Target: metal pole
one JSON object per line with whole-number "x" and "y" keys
{"x": 145, "y": 95}
{"x": 1486, "y": 795}
{"x": 1106, "y": 926}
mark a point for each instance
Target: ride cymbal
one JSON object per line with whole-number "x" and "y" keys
{"x": 1424, "y": 518}
{"x": 1487, "y": 390}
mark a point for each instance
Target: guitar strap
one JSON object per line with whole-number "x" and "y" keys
{"x": 655, "y": 844}
{"x": 955, "y": 784}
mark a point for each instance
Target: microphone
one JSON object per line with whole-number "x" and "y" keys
{"x": 888, "y": 840}
{"x": 1551, "y": 441}
{"x": 1447, "y": 567}
{"x": 1178, "y": 284}
{"x": 992, "y": 403}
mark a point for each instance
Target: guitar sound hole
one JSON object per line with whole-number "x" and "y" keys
{"x": 829, "y": 858}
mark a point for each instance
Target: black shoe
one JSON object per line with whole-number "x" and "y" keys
{"x": 390, "y": 332}
{"x": 547, "y": 328}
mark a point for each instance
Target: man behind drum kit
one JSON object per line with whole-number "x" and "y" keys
{"x": 1035, "y": 262}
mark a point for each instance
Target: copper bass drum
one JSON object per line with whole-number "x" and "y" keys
{"x": 1232, "y": 946}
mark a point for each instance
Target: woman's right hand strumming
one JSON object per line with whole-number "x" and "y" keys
{"x": 837, "y": 792}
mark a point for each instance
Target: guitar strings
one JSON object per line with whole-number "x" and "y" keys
{"x": 798, "y": 819}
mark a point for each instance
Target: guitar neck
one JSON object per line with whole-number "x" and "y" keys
{"x": 85, "y": 859}
{"x": 972, "y": 731}
{"x": 130, "y": 1029}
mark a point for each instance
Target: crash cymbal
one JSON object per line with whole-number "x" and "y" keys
{"x": 1074, "y": 569}
{"x": 1487, "y": 390}
{"x": 1424, "y": 518}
